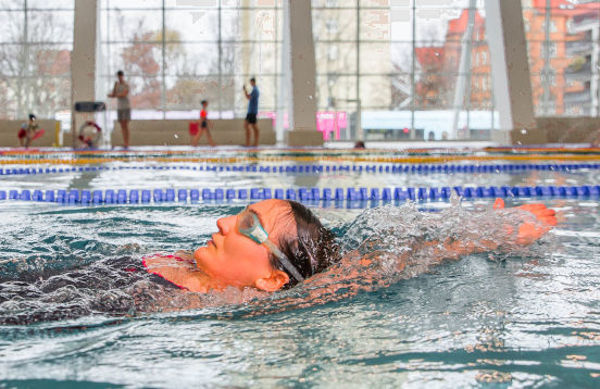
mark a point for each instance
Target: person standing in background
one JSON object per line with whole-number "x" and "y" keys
{"x": 121, "y": 92}
{"x": 250, "y": 121}
{"x": 201, "y": 127}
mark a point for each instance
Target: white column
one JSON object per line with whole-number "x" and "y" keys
{"x": 510, "y": 73}
{"x": 83, "y": 59}
{"x": 302, "y": 71}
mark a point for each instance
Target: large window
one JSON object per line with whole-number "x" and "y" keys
{"x": 36, "y": 40}
{"x": 564, "y": 61}
{"x": 176, "y": 53}
{"x": 409, "y": 63}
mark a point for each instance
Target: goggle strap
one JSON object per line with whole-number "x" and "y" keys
{"x": 284, "y": 260}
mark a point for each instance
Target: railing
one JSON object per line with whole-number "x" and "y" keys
{"x": 578, "y": 97}
{"x": 579, "y": 47}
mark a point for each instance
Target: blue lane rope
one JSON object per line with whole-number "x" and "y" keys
{"x": 362, "y": 194}
{"x": 319, "y": 169}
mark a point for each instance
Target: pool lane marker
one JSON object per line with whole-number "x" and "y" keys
{"x": 299, "y": 158}
{"x": 361, "y": 194}
{"x": 320, "y": 169}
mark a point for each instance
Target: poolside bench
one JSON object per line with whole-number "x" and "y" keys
{"x": 175, "y": 132}
{"x": 10, "y": 128}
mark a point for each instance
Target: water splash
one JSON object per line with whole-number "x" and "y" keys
{"x": 383, "y": 245}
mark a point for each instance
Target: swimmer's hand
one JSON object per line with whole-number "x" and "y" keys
{"x": 529, "y": 232}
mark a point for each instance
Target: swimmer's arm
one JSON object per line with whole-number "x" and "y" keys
{"x": 114, "y": 91}
{"x": 520, "y": 233}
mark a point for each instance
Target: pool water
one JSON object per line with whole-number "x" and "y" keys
{"x": 518, "y": 318}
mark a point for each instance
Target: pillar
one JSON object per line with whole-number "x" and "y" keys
{"x": 83, "y": 59}
{"x": 510, "y": 74}
{"x": 302, "y": 106}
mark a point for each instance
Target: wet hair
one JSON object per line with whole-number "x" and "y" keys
{"x": 32, "y": 116}
{"x": 314, "y": 248}
{"x": 204, "y": 102}
{"x": 120, "y": 73}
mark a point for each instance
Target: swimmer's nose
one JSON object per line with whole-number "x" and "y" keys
{"x": 226, "y": 224}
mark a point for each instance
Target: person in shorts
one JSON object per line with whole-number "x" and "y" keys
{"x": 121, "y": 93}
{"x": 202, "y": 126}
{"x": 250, "y": 121}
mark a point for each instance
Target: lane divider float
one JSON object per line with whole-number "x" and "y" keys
{"x": 319, "y": 169}
{"x": 351, "y": 194}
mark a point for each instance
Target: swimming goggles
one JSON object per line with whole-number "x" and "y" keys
{"x": 249, "y": 225}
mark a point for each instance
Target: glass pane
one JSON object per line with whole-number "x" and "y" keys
{"x": 375, "y": 92}
{"x": 382, "y": 3}
{"x": 375, "y": 58}
{"x": 561, "y": 55}
{"x": 128, "y": 4}
{"x": 48, "y": 95}
{"x": 50, "y": 26}
{"x": 250, "y": 59}
{"x": 334, "y": 91}
{"x": 134, "y": 59}
{"x": 50, "y": 4}
{"x": 230, "y": 25}
{"x": 191, "y": 4}
{"x": 185, "y": 93}
{"x": 144, "y": 92}
{"x": 126, "y": 26}
{"x": 12, "y": 60}
{"x": 192, "y": 25}
{"x": 332, "y": 57}
{"x": 334, "y": 24}
{"x": 9, "y": 98}
{"x": 191, "y": 58}
{"x": 12, "y": 26}
{"x": 375, "y": 24}
{"x": 50, "y": 60}
{"x": 11, "y": 4}
{"x": 434, "y": 90}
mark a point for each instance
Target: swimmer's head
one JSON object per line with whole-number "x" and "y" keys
{"x": 235, "y": 259}
{"x": 32, "y": 117}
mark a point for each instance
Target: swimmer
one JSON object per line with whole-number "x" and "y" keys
{"x": 275, "y": 244}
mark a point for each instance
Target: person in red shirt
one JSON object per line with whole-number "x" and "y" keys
{"x": 200, "y": 127}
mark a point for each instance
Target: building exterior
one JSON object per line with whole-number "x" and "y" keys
{"x": 582, "y": 76}
{"x": 563, "y": 60}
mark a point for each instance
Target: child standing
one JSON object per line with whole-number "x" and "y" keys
{"x": 204, "y": 124}
{"x": 29, "y": 131}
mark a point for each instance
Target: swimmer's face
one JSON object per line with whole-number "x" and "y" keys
{"x": 237, "y": 260}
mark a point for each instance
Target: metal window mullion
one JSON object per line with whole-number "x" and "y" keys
{"x": 358, "y": 109}
{"x": 164, "y": 64}
{"x": 275, "y": 57}
{"x": 546, "y": 70}
{"x": 220, "y": 64}
{"x": 412, "y": 73}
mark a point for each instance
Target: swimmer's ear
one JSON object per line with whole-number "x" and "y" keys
{"x": 273, "y": 283}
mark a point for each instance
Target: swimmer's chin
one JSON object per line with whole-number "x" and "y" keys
{"x": 200, "y": 256}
